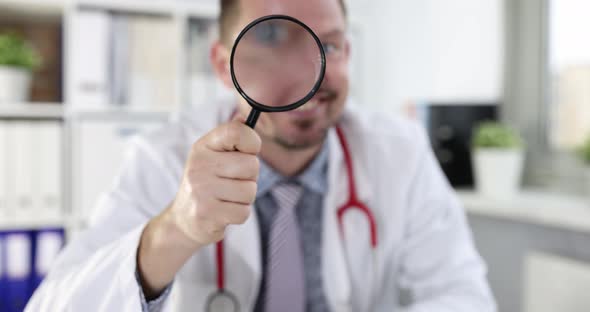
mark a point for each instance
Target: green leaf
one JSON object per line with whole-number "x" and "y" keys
{"x": 496, "y": 135}
{"x": 584, "y": 151}
{"x": 15, "y": 51}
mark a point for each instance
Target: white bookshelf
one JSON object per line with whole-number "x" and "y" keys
{"x": 74, "y": 116}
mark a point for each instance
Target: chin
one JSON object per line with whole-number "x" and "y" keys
{"x": 301, "y": 138}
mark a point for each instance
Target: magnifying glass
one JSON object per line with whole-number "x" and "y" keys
{"x": 277, "y": 64}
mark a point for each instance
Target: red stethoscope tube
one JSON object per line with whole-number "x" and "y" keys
{"x": 220, "y": 266}
{"x": 352, "y": 203}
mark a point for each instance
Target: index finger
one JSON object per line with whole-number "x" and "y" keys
{"x": 234, "y": 136}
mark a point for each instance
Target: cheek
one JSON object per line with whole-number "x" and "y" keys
{"x": 342, "y": 74}
{"x": 265, "y": 125}
{"x": 337, "y": 74}
{"x": 243, "y": 108}
{"x": 339, "y": 81}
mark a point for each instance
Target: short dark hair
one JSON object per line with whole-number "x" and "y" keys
{"x": 230, "y": 11}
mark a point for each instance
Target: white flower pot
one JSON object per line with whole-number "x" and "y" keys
{"x": 498, "y": 172}
{"x": 15, "y": 84}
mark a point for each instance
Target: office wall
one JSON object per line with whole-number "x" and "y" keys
{"x": 431, "y": 50}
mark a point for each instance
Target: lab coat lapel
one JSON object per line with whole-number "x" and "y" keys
{"x": 336, "y": 272}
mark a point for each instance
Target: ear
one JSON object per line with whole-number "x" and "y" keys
{"x": 219, "y": 58}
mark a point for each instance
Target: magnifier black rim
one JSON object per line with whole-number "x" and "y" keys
{"x": 264, "y": 108}
{"x": 222, "y": 293}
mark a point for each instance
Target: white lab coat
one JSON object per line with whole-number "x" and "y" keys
{"x": 425, "y": 244}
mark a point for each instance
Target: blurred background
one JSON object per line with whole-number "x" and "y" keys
{"x": 503, "y": 87}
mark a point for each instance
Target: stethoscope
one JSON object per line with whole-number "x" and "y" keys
{"x": 224, "y": 300}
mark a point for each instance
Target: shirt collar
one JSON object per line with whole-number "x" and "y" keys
{"x": 313, "y": 178}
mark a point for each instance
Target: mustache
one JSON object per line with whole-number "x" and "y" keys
{"x": 326, "y": 94}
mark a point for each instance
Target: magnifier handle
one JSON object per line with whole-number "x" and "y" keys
{"x": 252, "y": 118}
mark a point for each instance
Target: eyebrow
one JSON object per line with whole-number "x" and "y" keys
{"x": 333, "y": 33}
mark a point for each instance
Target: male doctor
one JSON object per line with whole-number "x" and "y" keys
{"x": 272, "y": 196}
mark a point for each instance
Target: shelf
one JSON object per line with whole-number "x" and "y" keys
{"x": 56, "y": 111}
{"x": 11, "y": 224}
{"x": 31, "y": 111}
{"x": 114, "y": 112}
{"x": 33, "y": 9}
{"x": 199, "y": 8}
{"x": 533, "y": 206}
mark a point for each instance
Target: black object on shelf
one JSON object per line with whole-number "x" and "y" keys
{"x": 450, "y": 126}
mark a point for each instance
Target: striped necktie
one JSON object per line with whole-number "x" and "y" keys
{"x": 285, "y": 287}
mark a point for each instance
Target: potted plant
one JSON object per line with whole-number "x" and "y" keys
{"x": 498, "y": 158}
{"x": 584, "y": 153}
{"x": 17, "y": 60}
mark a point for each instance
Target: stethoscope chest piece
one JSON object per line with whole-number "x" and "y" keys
{"x": 222, "y": 300}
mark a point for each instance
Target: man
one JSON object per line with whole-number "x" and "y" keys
{"x": 152, "y": 243}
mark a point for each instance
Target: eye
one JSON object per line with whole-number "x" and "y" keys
{"x": 270, "y": 33}
{"x": 329, "y": 48}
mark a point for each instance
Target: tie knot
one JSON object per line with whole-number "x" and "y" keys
{"x": 287, "y": 194}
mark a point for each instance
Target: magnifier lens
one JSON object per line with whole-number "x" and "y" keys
{"x": 277, "y": 62}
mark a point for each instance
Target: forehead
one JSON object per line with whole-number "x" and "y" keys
{"x": 321, "y": 16}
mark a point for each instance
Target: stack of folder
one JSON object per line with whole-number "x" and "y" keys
{"x": 25, "y": 259}
{"x": 31, "y": 170}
